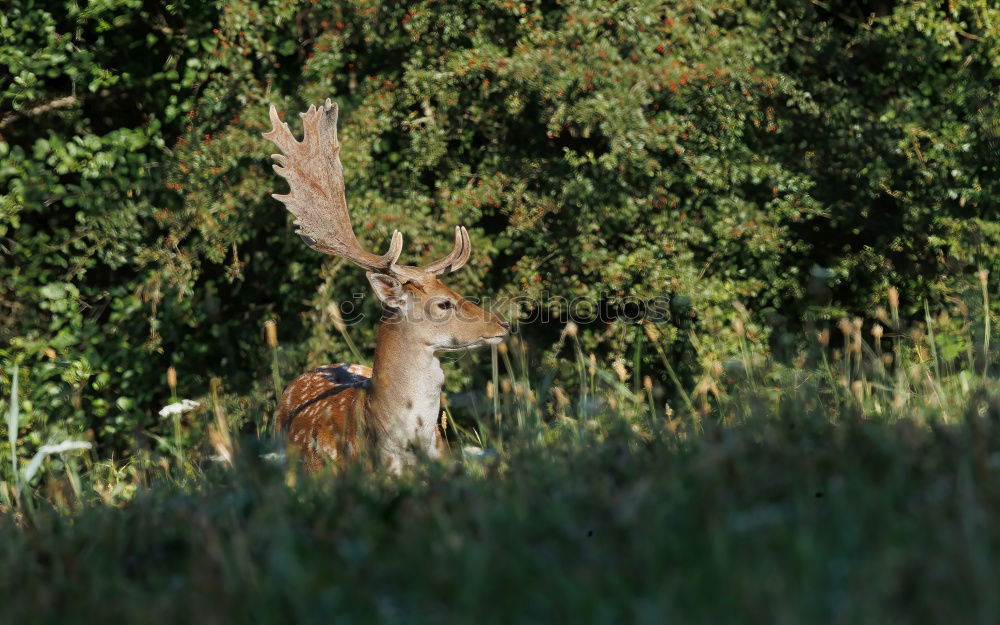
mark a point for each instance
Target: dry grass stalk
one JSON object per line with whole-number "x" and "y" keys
{"x": 271, "y": 330}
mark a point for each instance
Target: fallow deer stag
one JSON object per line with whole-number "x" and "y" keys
{"x": 391, "y": 409}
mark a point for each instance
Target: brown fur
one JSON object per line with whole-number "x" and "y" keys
{"x": 321, "y": 411}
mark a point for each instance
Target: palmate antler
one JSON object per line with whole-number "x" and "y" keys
{"x": 316, "y": 197}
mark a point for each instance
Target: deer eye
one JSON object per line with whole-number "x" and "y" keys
{"x": 446, "y": 305}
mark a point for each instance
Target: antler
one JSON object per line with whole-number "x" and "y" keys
{"x": 316, "y": 180}
{"x": 456, "y": 259}
{"x": 316, "y": 198}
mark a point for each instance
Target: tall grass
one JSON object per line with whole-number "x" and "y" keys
{"x": 888, "y": 373}
{"x": 857, "y": 481}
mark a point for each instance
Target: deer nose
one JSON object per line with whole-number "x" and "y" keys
{"x": 504, "y": 324}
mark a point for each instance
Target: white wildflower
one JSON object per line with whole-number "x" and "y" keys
{"x": 185, "y": 405}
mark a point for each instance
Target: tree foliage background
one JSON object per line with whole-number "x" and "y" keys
{"x": 794, "y": 158}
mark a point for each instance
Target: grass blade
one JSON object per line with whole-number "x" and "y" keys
{"x": 12, "y": 424}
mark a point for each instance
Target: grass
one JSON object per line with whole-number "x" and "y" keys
{"x": 857, "y": 483}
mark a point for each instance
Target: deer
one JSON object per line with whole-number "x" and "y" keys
{"x": 389, "y": 412}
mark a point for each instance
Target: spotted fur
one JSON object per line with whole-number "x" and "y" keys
{"x": 322, "y": 412}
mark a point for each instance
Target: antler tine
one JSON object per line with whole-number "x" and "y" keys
{"x": 316, "y": 188}
{"x": 280, "y": 135}
{"x": 456, "y": 259}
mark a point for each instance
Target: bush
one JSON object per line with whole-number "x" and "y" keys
{"x": 794, "y": 158}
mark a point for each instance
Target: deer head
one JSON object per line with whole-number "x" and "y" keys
{"x": 426, "y": 311}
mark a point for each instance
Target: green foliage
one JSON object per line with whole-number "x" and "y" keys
{"x": 87, "y": 94}
{"x": 793, "y": 157}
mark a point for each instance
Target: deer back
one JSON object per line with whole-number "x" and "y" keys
{"x": 323, "y": 414}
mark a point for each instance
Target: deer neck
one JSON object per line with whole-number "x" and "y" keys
{"x": 405, "y": 396}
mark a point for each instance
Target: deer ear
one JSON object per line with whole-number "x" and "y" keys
{"x": 388, "y": 289}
